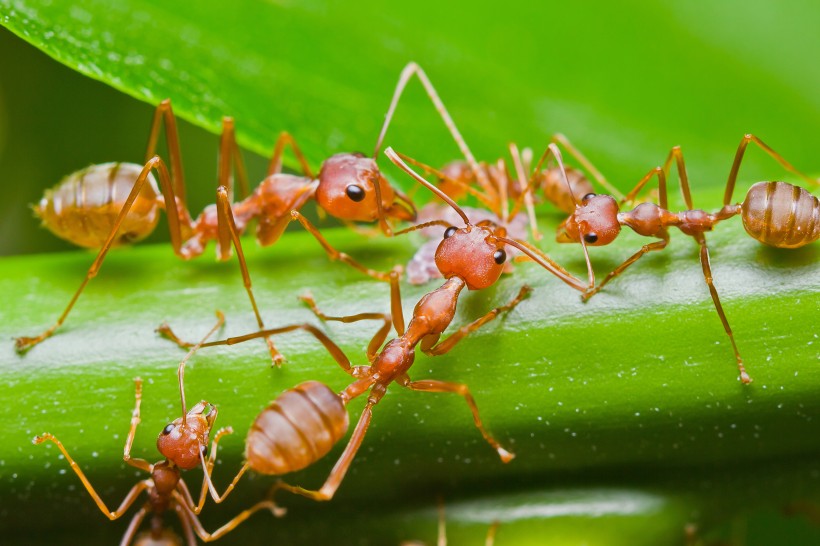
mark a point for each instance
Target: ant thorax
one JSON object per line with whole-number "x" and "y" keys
{"x": 347, "y": 188}
{"x": 472, "y": 253}
{"x": 596, "y": 218}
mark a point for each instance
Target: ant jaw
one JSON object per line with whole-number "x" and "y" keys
{"x": 205, "y": 410}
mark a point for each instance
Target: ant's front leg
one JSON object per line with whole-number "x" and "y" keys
{"x": 391, "y": 277}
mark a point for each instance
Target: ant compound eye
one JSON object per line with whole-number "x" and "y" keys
{"x": 449, "y": 231}
{"x": 354, "y": 192}
{"x": 590, "y": 238}
{"x": 587, "y": 197}
{"x": 500, "y": 256}
{"x": 167, "y": 430}
{"x": 204, "y": 450}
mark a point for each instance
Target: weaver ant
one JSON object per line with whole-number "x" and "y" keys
{"x": 117, "y": 203}
{"x": 775, "y": 213}
{"x": 304, "y": 422}
{"x": 184, "y": 444}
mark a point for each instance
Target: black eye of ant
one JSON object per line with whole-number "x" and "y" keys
{"x": 354, "y": 192}
{"x": 167, "y": 430}
{"x": 500, "y": 256}
{"x": 590, "y": 238}
{"x": 449, "y": 231}
{"x": 587, "y": 197}
{"x": 204, "y": 450}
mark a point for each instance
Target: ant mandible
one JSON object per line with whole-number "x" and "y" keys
{"x": 184, "y": 444}
{"x": 304, "y": 422}
{"x": 775, "y": 213}
{"x": 117, "y": 203}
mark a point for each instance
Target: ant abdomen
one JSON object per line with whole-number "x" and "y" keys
{"x": 781, "y": 215}
{"x": 83, "y": 207}
{"x": 557, "y": 192}
{"x": 297, "y": 429}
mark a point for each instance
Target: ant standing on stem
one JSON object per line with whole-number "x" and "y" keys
{"x": 304, "y": 422}
{"x": 775, "y": 213}
{"x": 117, "y": 203}
{"x": 184, "y": 444}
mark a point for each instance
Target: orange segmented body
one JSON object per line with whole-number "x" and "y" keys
{"x": 83, "y": 207}
{"x": 297, "y": 429}
{"x": 558, "y": 193}
{"x": 781, "y": 215}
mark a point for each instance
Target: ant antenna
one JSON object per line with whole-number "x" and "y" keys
{"x": 220, "y": 320}
{"x": 389, "y": 152}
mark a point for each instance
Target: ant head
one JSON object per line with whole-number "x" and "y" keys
{"x": 347, "y": 190}
{"x": 596, "y": 218}
{"x": 181, "y": 443}
{"x": 473, "y": 253}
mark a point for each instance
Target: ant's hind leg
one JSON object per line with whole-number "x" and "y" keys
{"x": 433, "y": 385}
{"x": 339, "y": 470}
{"x": 741, "y": 150}
{"x": 450, "y": 342}
{"x": 185, "y": 514}
{"x": 707, "y": 275}
{"x": 132, "y": 432}
{"x": 175, "y": 223}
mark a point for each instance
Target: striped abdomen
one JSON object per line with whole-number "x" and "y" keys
{"x": 296, "y": 429}
{"x": 82, "y": 208}
{"x": 781, "y": 215}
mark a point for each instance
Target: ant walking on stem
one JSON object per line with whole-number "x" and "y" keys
{"x": 775, "y": 213}
{"x": 304, "y": 422}
{"x": 117, "y": 203}
{"x": 184, "y": 444}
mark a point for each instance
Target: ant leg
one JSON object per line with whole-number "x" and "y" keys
{"x": 676, "y": 154}
{"x": 339, "y": 470}
{"x": 229, "y": 155}
{"x": 741, "y": 150}
{"x": 481, "y": 196}
{"x": 378, "y": 338}
{"x": 561, "y": 139}
{"x": 134, "y": 525}
{"x": 409, "y": 70}
{"x": 228, "y": 232}
{"x": 164, "y": 112}
{"x": 707, "y": 275}
{"x": 433, "y": 385}
{"x": 208, "y": 471}
{"x": 491, "y": 532}
{"x": 127, "y": 501}
{"x": 538, "y": 256}
{"x": 184, "y": 513}
{"x": 525, "y": 194}
{"x": 630, "y": 197}
{"x": 657, "y": 245}
{"x": 142, "y": 464}
{"x": 334, "y": 254}
{"x": 23, "y": 344}
{"x": 448, "y": 343}
{"x": 275, "y": 165}
{"x": 334, "y": 350}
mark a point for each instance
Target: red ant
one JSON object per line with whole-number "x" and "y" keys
{"x": 184, "y": 444}
{"x": 117, "y": 203}
{"x": 304, "y": 422}
{"x": 775, "y": 213}
{"x": 559, "y": 187}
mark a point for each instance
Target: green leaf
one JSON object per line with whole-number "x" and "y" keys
{"x": 636, "y": 390}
